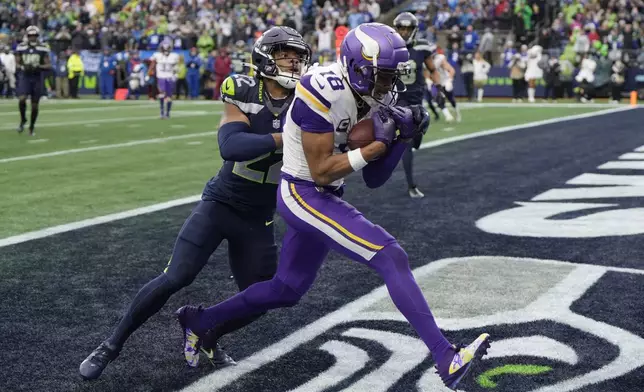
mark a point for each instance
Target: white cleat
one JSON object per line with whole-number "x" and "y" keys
{"x": 414, "y": 193}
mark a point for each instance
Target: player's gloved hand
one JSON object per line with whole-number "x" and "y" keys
{"x": 421, "y": 118}
{"x": 384, "y": 127}
{"x": 404, "y": 119}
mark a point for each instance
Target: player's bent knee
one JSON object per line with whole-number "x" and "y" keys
{"x": 180, "y": 277}
{"x": 281, "y": 295}
{"x": 391, "y": 259}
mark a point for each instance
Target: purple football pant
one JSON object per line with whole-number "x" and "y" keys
{"x": 317, "y": 222}
{"x": 166, "y": 87}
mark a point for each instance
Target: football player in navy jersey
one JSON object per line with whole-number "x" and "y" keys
{"x": 420, "y": 53}
{"x": 32, "y": 60}
{"x": 237, "y": 205}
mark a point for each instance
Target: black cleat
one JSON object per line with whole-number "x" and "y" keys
{"x": 215, "y": 354}
{"x": 32, "y": 132}
{"x": 21, "y": 127}
{"x": 92, "y": 367}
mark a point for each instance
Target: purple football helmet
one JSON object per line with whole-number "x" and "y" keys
{"x": 374, "y": 55}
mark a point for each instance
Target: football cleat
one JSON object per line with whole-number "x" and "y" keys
{"x": 92, "y": 367}
{"x": 453, "y": 369}
{"x": 32, "y": 132}
{"x": 217, "y": 356}
{"x": 191, "y": 341}
{"x": 21, "y": 127}
{"x": 414, "y": 193}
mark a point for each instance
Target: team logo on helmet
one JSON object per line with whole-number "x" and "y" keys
{"x": 374, "y": 56}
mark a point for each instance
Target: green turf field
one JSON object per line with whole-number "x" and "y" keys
{"x": 91, "y": 158}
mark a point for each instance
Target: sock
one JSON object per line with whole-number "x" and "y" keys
{"x": 392, "y": 265}
{"x": 161, "y": 101}
{"x": 233, "y": 325}
{"x": 531, "y": 92}
{"x": 147, "y": 302}
{"x": 168, "y": 107}
{"x": 34, "y": 116}
{"x": 432, "y": 107}
{"x": 447, "y": 114}
{"x": 480, "y": 94}
{"x": 252, "y": 302}
{"x": 22, "y": 106}
{"x": 408, "y": 165}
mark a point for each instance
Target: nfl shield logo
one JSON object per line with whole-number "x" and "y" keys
{"x": 276, "y": 123}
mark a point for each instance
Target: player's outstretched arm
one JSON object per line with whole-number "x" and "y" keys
{"x": 237, "y": 143}
{"x": 326, "y": 167}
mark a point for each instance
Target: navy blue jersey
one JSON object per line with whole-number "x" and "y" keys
{"x": 419, "y": 51}
{"x": 32, "y": 58}
{"x": 251, "y": 186}
{"x": 239, "y": 59}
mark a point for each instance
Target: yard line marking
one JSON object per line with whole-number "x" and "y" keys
{"x": 117, "y": 119}
{"x": 88, "y": 141}
{"x": 49, "y": 231}
{"x": 96, "y": 221}
{"x": 37, "y": 141}
{"x": 106, "y": 147}
{"x": 80, "y": 110}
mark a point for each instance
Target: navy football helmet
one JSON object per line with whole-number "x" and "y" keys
{"x": 406, "y": 24}
{"x": 279, "y": 39}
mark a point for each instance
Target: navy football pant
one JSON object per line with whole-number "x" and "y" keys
{"x": 408, "y": 156}
{"x": 252, "y": 255}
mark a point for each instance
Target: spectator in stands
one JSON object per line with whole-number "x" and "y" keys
{"x": 470, "y": 39}
{"x": 487, "y": 45}
{"x": 222, "y": 70}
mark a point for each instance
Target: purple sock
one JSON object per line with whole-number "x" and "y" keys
{"x": 161, "y": 100}
{"x": 168, "y": 107}
{"x": 392, "y": 265}
{"x": 243, "y": 304}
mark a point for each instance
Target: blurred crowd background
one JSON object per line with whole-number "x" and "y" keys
{"x": 214, "y": 37}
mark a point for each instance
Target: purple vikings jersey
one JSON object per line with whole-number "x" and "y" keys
{"x": 252, "y": 185}
{"x": 419, "y": 51}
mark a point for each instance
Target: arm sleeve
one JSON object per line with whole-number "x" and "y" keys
{"x": 237, "y": 144}
{"x": 376, "y": 173}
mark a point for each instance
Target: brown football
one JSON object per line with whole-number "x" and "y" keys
{"x": 361, "y": 134}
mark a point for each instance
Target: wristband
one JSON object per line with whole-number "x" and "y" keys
{"x": 356, "y": 160}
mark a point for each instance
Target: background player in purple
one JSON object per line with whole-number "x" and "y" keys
{"x": 166, "y": 63}
{"x": 32, "y": 60}
{"x": 328, "y": 102}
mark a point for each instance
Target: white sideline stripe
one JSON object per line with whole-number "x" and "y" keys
{"x": 114, "y": 120}
{"x": 543, "y": 105}
{"x": 509, "y": 128}
{"x": 33, "y": 235}
{"x": 96, "y": 221}
{"x": 80, "y": 110}
{"x": 106, "y": 147}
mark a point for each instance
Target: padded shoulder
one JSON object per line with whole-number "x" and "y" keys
{"x": 243, "y": 92}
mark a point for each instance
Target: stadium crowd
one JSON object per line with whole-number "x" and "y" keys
{"x": 593, "y": 44}
{"x": 601, "y": 37}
